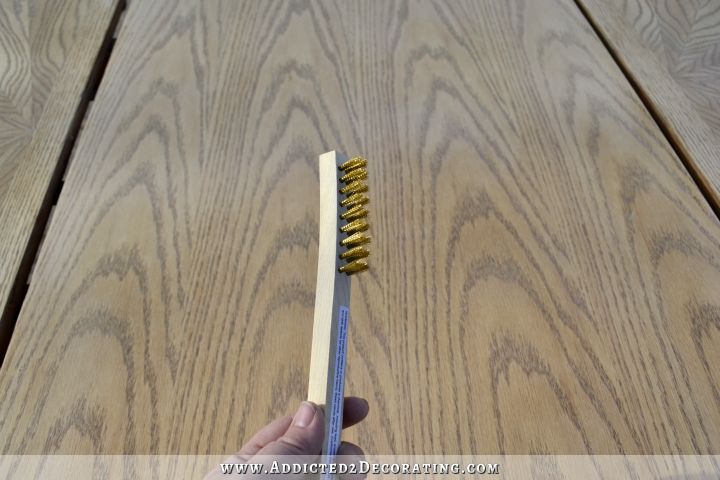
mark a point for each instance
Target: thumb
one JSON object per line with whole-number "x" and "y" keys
{"x": 303, "y": 437}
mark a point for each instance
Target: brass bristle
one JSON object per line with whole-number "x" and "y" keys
{"x": 355, "y": 240}
{"x": 355, "y": 162}
{"x": 354, "y": 213}
{"x": 354, "y": 187}
{"x": 352, "y": 175}
{"x": 355, "y": 199}
{"x": 355, "y": 226}
{"x": 355, "y": 266}
{"x": 354, "y": 253}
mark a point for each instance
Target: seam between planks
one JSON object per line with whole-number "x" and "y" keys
{"x": 20, "y": 284}
{"x": 654, "y": 112}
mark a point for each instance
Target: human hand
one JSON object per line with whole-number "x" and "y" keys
{"x": 300, "y": 434}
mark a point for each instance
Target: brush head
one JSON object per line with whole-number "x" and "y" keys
{"x": 352, "y": 185}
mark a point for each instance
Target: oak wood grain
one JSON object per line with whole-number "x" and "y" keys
{"x": 48, "y": 50}
{"x": 671, "y": 49}
{"x": 544, "y": 276}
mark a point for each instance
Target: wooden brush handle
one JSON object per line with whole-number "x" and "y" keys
{"x": 331, "y": 295}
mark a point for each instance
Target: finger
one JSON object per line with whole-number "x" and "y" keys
{"x": 355, "y": 409}
{"x": 303, "y": 437}
{"x": 265, "y": 435}
{"x": 351, "y": 450}
{"x": 349, "y": 453}
{"x": 270, "y": 432}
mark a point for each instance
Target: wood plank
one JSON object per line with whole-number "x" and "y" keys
{"x": 47, "y": 54}
{"x": 672, "y": 52}
{"x": 544, "y": 272}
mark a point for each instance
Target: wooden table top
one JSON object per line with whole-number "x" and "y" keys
{"x": 546, "y": 271}
{"x": 671, "y": 51}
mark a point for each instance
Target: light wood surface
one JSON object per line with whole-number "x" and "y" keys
{"x": 47, "y": 53}
{"x": 545, "y": 272}
{"x": 671, "y": 49}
